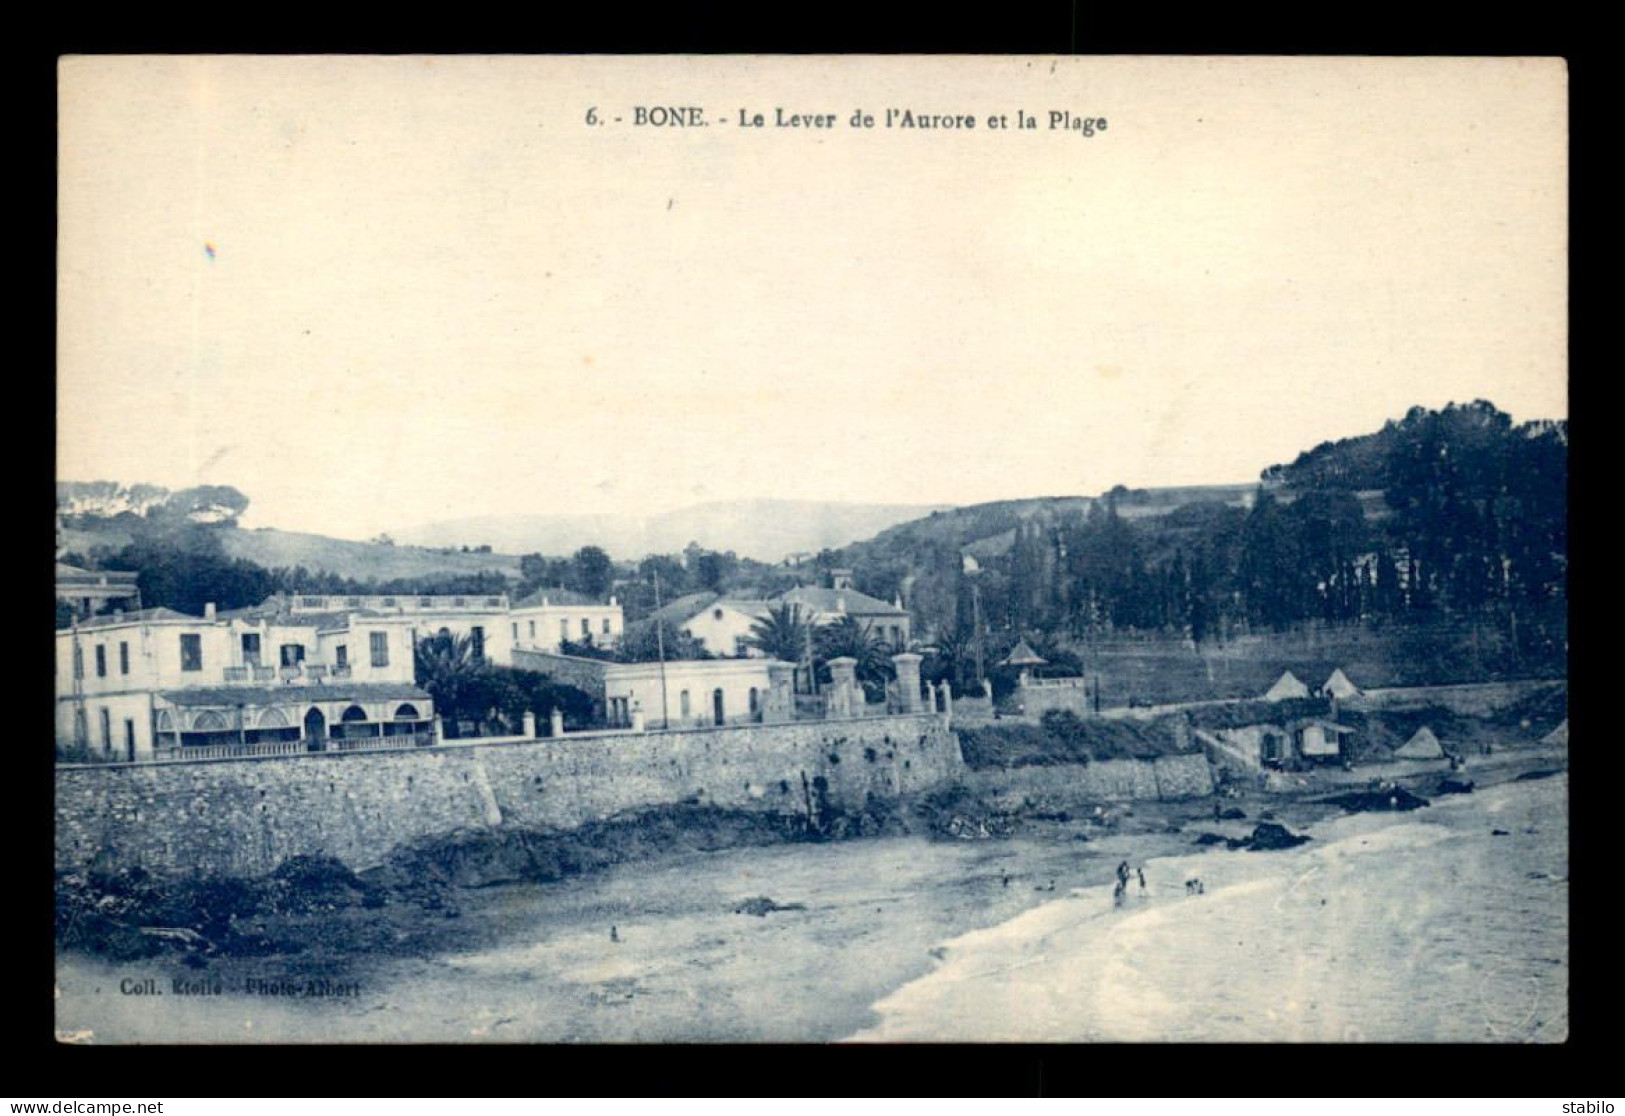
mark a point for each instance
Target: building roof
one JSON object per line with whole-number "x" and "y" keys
{"x": 556, "y": 597}
{"x": 282, "y": 617}
{"x": 143, "y": 616}
{"x": 678, "y": 609}
{"x": 65, "y": 572}
{"x": 293, "y": 695}
{"x": 1023, "y": 655}
{"x": 1329, "y": 726}
{"x": 832, "y": 600}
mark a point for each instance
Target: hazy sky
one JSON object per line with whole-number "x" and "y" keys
{"x": 375, "y": 292}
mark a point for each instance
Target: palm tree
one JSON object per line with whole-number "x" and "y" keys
{"x": 445, "y": 666}
{"x": 848, "y": 638}
{"x": 781, "y": 634}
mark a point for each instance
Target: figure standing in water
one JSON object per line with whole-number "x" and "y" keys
{"x": 1142, "y": 882}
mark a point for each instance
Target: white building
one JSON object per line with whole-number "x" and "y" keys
{"x": 696, "y": 693}
{"x": 724, "y": 626}
{"x": 547, "y": 618}
{"x": 130, "y": 686}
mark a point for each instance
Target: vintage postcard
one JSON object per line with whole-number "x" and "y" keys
{"x": 814, "y": 549}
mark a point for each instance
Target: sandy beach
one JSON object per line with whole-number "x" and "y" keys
{"x": 1420, "y": 927}
{"x": 1426, "y": 927}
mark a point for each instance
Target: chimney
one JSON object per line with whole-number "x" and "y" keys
{"x": 208, "y": 611}
{"x": 840, "y": 604}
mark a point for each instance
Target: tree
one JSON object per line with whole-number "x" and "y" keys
{"x": 207, "y": 503}
{"x": 781, "y": 634}
{"x": 713, "y": 570}
{"x": 445, "y": 666}
{"x": 848, "y": 638}
{"x": 591, "y": 572}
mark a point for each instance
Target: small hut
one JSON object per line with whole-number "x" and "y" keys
{"x": 1339, "y": 686}
{"x": 1421, "y": 746}
{"x": 1559, "y": 736}
{"x": 1286, "y": 687}
{"x": 1024, "y": 658}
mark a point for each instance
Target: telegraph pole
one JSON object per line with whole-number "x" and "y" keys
{"x": 660, "y": 645}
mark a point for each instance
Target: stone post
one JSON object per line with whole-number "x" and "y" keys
{"x": 437, "y": 731}
{"x": 779, "y": 704}
{"x": 843, "y": 673}
{"x": 556, "y": 722}
{"x": 637, "y": 717}
{"x": 945, "y": 700}
{"x": 528, "y": 725}
{"x": 907, "y": 664}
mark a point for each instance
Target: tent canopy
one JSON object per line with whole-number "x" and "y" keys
{"x": 1338, "y": 685}
{"x": 1423, "y": 745}
{"x": 1287, "y": 686}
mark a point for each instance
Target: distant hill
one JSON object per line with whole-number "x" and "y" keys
{"x": 767, "y": 530}
{"x": 362, "y": 561}
{"x": 989, "y": 530}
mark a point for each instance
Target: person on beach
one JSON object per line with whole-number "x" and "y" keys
{"x": 1122, "y": 874}
{"x": 1142, "y": 882}
{"x": 1119, "y": 891}
{"x": 614, "y": 935}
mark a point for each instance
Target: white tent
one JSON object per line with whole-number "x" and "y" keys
{"x": 1559, "y": 735}
{"x": 1287, "y": 686}
{"x": 1339, "y": 686}
{"x": 1424, "y": 745}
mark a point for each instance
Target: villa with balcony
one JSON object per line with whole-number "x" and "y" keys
{"x": 141, "y": 685}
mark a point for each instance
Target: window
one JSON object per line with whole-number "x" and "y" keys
{"x": 533, "y": 629}
{"x": 251, "y": 648}
{"x": 352, "y": 602}
{"x": 564, "y": 630}
{"x": 586, "y": 628}
{"x": 476, "y": 636}
{"x": 606, "y": 625}
{"x": 716, "y": 614}
{"x": 292, "y": 654}
{"x": 516, "y": 631}
{"x": 107, "y": 730}
{"x": 124, "y": 658}
{"x": 379, "y": 646}
{"x": 191, "y": 652}
{"x": 101, "y": 660}
{"x": 389, "y": 602}
{"x": 682, "y": 703}
{"x": 341, "y": 655}
{"x": 741, "y": 646}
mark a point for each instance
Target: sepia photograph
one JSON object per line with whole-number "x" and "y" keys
{"x": 810, "y": 549}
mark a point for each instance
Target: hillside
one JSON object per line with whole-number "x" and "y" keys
{"x": 272, "y": 549}
{"x": 767, "y": 530}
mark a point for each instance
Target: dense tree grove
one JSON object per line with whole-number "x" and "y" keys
{"x": 1452, "y": 513}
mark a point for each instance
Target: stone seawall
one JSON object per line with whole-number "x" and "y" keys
{"x": 244, "y": 816}
{"x": 1166, "y": 778}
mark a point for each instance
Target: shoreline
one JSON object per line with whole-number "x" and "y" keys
{"x": 535, "y": 962}
{"x": 1319, "y": 943}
